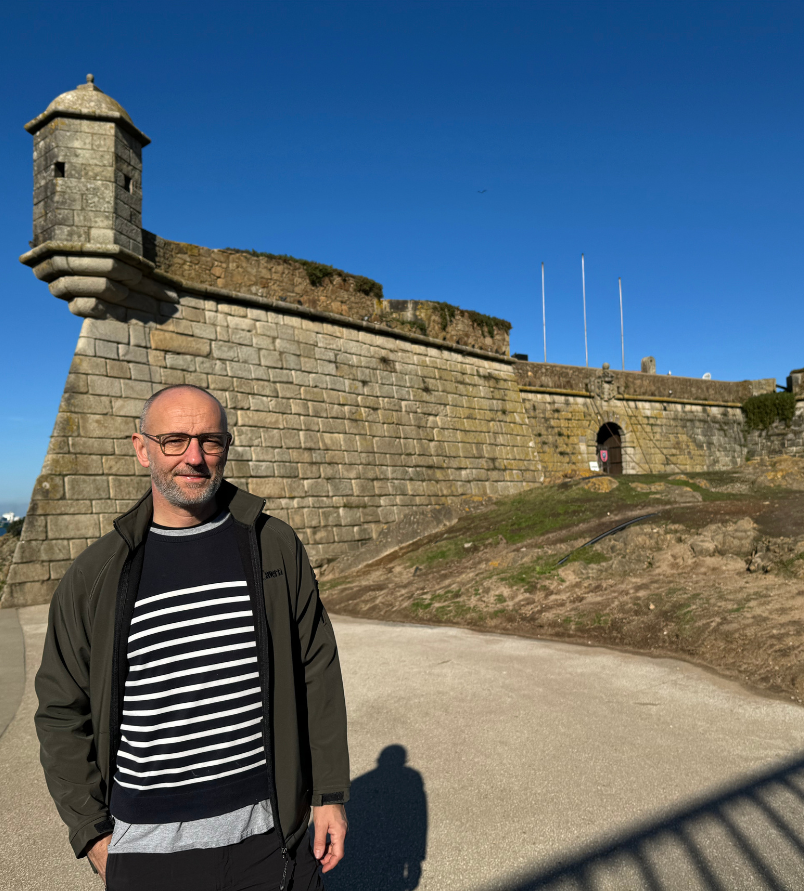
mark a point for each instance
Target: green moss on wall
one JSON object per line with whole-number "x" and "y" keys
{"x": 318, "y": 273}
{"x": 762, "y": 411}
{"x": 490, "y": 324}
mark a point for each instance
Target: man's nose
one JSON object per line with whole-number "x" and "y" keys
{"x": 194, "y": 453}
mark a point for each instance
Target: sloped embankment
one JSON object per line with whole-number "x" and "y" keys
{"x": 716, "y": 576}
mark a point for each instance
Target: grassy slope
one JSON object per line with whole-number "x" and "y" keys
{"x": 497, "y": 570}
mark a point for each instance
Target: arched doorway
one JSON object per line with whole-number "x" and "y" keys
{"x": 610, "y": 449}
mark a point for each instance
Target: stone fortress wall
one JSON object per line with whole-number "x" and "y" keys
{"x": 341, "y": 428}
{"x": 348, "y": 410}
{"x": 318, "y": 286}
{"x": 667, "y": 423}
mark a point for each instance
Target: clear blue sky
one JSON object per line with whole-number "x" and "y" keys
{"x": 664, "y": 140}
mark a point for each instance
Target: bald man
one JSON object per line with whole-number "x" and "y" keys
{"x": 191, "y": 708}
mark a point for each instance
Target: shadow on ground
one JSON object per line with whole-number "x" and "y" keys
{"x": 748, "y": 836}
{"x": 387, "y": 840}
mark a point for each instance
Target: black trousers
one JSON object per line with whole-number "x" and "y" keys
{"x": 255, "y": 864}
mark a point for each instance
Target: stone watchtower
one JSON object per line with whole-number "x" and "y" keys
{"x": 87, "y": 171}
{"x": 87, "y": 222}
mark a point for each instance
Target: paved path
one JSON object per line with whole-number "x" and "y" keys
{"x": 12, "y": 666}
{"x": 486, "y": 762}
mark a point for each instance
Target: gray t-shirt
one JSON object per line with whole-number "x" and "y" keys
{"x": 211, "y": 832}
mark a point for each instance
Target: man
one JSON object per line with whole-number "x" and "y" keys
{"x": 191, "y": 707}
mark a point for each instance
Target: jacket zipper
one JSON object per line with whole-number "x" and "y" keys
{"x": 120, "y": 613}
{"x": 256, "y": 569}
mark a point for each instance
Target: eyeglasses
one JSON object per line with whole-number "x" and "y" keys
{"x": 174, "y": 444}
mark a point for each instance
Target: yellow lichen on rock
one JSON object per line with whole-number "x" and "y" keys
{"x": 600, "y": 484}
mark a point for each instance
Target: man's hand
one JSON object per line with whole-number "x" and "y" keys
{"x": 329, "y": 819}
{"x": 98, "y": 853}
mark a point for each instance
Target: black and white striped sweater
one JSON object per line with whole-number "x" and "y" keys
{"x": 192, "y": 730}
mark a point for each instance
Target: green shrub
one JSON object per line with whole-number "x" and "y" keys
{"x": 15, "y": 527}
{"x": 446, "y": 312}
{"x": 762, "y": 411}
{"x": 368, "y": 286}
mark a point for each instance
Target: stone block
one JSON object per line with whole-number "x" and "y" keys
{"x": 28, "y": 593}
{"x": 87, "y": 487}
{"x": 239, "y": 369}
{"x": 41, "y": 551}
{"x": 59, "y": 568}
{"x": 106, "y": 329}
{"x": 85, "y": 346}
{"x": 172, "y": 376}
{"x": 76, "y": 383}
{"x": 268, "y": 487}
{"x": 34, "y": 528}
{"x": 121, "y": 465}
{"x": 179, "y": 343}
{"x": 41, "y": 507}
{"x": 224, "y": 351}
{"x": 84, "y": 404}
{"x": 182, "y": 362}
{"x": 103, "y": 386}
{"x": 106, "y": 426}
{"x": 73, "y": 463}
{"x": 128, "y": 488}
{"x": 77, "y": 545}
{"x": 105, "y": 348}
{"x": 73, "y": 526}
{"x": 88, "y": 365}
{"x": 28, "y": 572}
{"x": 134, "y": 389}
{"x": 206, "y": 332}
{"x": 138, "y": 355}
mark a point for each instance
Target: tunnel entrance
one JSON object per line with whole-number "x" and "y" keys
{"x": 609, "y": 449}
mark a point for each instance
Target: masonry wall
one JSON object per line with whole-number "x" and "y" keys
{"x": 658, "y": 437}
{"x": 323, "y": 288}
{"x": 635, "y": 383}
{"x": 341, "y": 428}
{"x": 265, "y": 275}
{"x": 779, "y": 439}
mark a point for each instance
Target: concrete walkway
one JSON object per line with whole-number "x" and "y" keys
{"x": 12, "y": 666}
{"x": 484, "y": 762}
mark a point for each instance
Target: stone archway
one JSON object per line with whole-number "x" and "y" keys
{"x": 610, "y": 448}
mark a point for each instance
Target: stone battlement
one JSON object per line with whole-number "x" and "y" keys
{"x": 572, "y": 379}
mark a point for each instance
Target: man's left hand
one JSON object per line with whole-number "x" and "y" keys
{"x": 329, "y": 819}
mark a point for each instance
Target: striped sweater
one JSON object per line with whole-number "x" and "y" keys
{"x": 192, "y": 731}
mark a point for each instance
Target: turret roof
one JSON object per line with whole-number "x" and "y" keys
{"x": 87, "y": 101}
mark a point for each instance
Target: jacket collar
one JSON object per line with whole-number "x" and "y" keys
{"x": 134, "y": 523}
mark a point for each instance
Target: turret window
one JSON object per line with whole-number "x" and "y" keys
{"x": 126, "y": 182}
{"x": 58, "y": 170}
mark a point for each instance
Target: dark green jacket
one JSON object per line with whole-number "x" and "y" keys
{"x": 81, "y": 679}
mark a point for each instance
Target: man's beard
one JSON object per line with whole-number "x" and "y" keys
{"x": 195, "y": 493}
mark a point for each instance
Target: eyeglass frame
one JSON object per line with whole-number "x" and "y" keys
{"x": 159, "y": 437}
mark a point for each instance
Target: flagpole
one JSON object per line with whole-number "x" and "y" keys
{"x": 544, "y": 317}
{"x": 585, "y": 341}
{"x": 622, "y": 330}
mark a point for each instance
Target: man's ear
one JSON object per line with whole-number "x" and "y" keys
{"x": 140, "y": 450}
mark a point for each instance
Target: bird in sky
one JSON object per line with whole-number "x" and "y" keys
{"x": 480, "y": 191}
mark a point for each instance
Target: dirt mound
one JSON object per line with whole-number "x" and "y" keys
{"x": 715, "y": 574}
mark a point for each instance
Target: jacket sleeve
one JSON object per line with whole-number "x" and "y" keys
{"x": 326, "y": 705}
{"x": 63, "y": 719}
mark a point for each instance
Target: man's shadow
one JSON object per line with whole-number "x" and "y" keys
{"x": 387, "y": 839}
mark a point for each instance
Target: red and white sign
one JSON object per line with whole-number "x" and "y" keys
{"x": 604, "y": 455}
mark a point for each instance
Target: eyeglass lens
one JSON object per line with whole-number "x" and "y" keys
{"x": 211, "y": 444}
